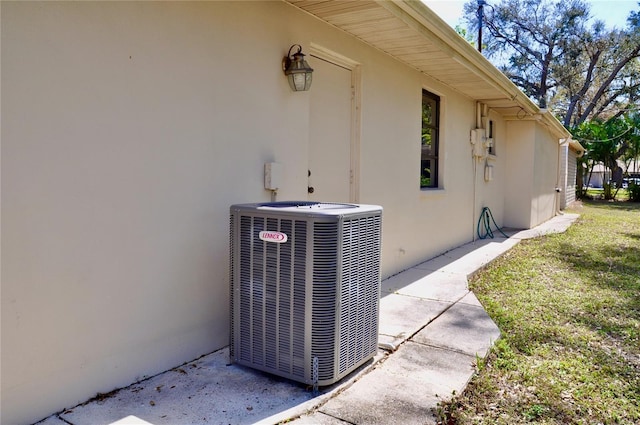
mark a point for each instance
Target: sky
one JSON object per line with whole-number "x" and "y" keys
{"x": 612, "y": 12}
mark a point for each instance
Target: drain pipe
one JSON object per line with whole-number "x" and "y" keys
{"x": 474, "y": 160}
{"x": 473, "y": 209}
{"x": 473, "y": 166}
{"x": 272, "y": 178}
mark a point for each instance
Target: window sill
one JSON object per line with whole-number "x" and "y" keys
{"x": 427, "y": 192}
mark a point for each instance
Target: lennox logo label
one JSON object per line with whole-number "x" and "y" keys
{"x": 277, "y": 237}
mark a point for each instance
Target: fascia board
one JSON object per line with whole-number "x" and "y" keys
{"x": 419, "y": 17}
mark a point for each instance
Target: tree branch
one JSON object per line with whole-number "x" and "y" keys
{"x": 632, "y": 55}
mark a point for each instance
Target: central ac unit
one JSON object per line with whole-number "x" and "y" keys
{"x": 305, "y": 288}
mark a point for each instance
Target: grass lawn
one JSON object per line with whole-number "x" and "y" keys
{"x": 568, "y": 307}
{"x": 621, "y": 194}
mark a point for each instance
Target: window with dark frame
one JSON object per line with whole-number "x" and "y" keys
{"x": 492, "y": 149}
{"x": 430, "y": 139}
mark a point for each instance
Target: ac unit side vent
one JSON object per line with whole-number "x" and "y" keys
{"x": 231, "y": 300}
{"x": 325, "y": 277}
{"x": 359, "y": 291}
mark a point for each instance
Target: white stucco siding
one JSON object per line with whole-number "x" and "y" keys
{"x": 391, "y": 129}
{"x": 532, "y": 166}
{"x": 418, "y": 224}
{"x": 491, "y": 194}
{"x": 128, "y": 130}
{"x": 520, "y": 153}
{"x": 545, "y": 200}
{"x": 564, "y": 174}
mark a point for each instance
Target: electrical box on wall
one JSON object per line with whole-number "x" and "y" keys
{"x": 475, "y": 136}
{"x": 272, "y": 175}
{"x": 477, "y": 140}
{"x": 488, "y": 173}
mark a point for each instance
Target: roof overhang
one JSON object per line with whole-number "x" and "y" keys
{"x": 576, "y": 146}
{"x": 413, "y": 34}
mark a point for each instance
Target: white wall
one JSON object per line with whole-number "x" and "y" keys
{"x": 491, "y": 194}
{"x": 418, "y": 224}
{"x": 129, "y": 129}
{"x": 564, "y": 176}
{"x": 519, "y": 168}
{"x": 533, "y": 155}
{"x": 545, "y": 200}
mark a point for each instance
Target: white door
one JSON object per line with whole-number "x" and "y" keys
{"x": 330, "y": 121}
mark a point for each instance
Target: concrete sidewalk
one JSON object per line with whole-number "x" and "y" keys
{"x": 431, "y": 330}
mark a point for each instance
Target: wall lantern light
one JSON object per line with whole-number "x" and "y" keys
{"x": 297, "y": 70}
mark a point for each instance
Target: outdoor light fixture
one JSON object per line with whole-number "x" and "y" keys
{"x": 297, "y": 70}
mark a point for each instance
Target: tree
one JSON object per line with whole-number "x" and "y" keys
{"x": 462, "y": 32}
{"x": 609, "y": 143}
{"x": 632, "y": 140}
{"x": 632, "y": 155}
{"x": 553, "y": 52}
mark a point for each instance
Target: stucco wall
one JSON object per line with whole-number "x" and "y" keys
{"x": 414, "y": 226}
{"x": 520, "y": 167}
{"x": 121, "y": 152}
{"x": 533, "y": 155}
{"x": 564, "y": 175}
{"x": 127, "y": 131}
{"x": 491, "y": 194}
{"x": 545, "y": 200}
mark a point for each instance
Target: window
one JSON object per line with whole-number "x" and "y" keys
{"x": 492, "y": 146}
{"x": 430, "y": 136}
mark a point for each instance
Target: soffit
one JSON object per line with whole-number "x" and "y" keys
{"x": 414, "y": 35}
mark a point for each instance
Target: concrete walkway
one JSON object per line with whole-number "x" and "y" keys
{"x": 431, "y": 330}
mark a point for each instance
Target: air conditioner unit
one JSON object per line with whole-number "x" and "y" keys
{"x": 305, "y": 288}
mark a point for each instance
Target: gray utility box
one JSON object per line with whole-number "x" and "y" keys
{"x": 305, "y": 288}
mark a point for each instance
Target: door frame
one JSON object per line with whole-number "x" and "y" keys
{"x": 337, "y": 59}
